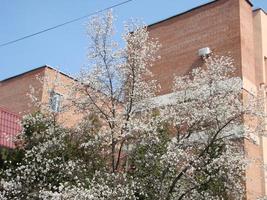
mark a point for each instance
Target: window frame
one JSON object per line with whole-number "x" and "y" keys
{"x": 55, "y": 101}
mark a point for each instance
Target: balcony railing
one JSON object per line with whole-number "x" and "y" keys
{"x": 9, "y": 127}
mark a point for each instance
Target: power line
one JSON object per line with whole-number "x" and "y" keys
{"x": 63, "y": 24}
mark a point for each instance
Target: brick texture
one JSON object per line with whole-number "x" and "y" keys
{"x": 216, "y": 25}
{"x": 227, "y": 27}
{"x": 13, "y": 92}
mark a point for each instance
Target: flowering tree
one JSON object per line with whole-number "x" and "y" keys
{"x": 132, "y": 144}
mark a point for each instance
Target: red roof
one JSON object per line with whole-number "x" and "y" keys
{"x": 9, "y": 127}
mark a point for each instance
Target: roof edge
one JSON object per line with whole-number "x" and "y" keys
{"x": 260, "y": 9}
{"x": 23, "y": 73}
{"x": 35, "y": 69}
{"x": 61, "y": 72}
{"x": 190, "y": 10}
{"x": 250, "y": 3}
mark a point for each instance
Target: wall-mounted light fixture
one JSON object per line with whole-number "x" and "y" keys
{"x": 204, "y": 52}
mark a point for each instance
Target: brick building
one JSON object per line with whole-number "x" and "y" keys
{"x": 16, "y": 102}
{"x": 226, "y": 27}
{"x": 15, "y": 90}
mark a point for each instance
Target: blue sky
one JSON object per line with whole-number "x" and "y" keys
{"x": 65, "y": 47}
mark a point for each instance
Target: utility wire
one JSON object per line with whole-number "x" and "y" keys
{"x": 63, "y": 24}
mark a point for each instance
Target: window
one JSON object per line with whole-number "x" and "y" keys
{"x": 55, "y": 101}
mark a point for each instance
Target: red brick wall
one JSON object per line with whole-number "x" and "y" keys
{"x": 13, "y": 92}
{"x": 61, "y": 84}
{"x": 215, "y": 25}
{"x": 247, "y": 43}
{"x": 255, "y": 185}
{"x": 226, "y": 26}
